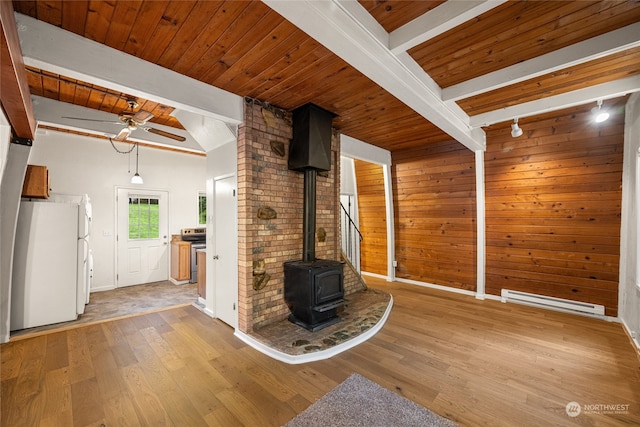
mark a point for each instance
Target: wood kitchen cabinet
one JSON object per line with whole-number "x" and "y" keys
{"x": 36, "y": 182}
{"x": 180, "y": 261}
{"x": 202, "y": 273}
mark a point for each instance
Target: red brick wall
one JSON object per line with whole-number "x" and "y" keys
{"x": 265, "y": 180}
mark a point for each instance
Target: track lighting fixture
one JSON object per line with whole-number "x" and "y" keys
{"x": 137, "y": 179}
{"x": 599, "y": 115}
{"x": 516, "y": 131}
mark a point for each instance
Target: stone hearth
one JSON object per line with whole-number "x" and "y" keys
{"x": 364, "y": 310}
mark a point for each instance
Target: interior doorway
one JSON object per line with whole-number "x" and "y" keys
{"x": 142, "y": 236}
{"x": 372, "y": 217}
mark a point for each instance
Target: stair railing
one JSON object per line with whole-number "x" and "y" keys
{"x": 351, "y": 238}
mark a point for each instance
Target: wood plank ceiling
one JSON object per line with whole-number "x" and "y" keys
{"x": 250, "y": 50}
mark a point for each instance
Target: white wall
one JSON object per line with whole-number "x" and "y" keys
{"x": 347, "y": 176}
{"x": 629, "y": 303}
{"x": 79, "y": 165}
{"x": 221, "y": 161}
{"x": 5, "y": 137}
{"x": 14, "y": 164}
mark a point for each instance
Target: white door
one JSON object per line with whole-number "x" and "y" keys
{"x": 142, "y": 243}
{"x": 226, "y": 251}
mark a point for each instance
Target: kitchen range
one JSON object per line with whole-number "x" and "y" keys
{"x": 197, "y": 238}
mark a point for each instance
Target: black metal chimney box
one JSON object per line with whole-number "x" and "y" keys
{"x": 311, "y": 144}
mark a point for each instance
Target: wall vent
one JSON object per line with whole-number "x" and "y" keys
{"x": 551, "y": 302}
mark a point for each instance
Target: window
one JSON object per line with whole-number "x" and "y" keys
{"x": 202, "y": 208}
{"x": 144, "y": 218}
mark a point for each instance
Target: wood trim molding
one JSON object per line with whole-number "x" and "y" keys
{"x": 14, "y": 89}
{"x": 129, "y": 141}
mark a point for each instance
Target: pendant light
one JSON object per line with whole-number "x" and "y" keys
{"x": 137, "y": 179}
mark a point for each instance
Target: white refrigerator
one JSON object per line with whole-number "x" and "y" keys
{"x": 51, "y": 244}
{"x": 85, "y": 255}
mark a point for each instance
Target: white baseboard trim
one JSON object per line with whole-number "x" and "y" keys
{"x": 633, "y": 337}
{"x": 439, "y": 287}
{"x": 200, "y": 305}
{"x": 379, "y": 276}
{"x": 177, "y": 282}
{"x": 497, "y": 298}
{"x": 318, "y": 355}
{"x": 102, "y": 289}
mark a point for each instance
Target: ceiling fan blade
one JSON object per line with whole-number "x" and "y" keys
{"x": 165, "y": 134}
{"x": 141, "y": 117}
{"x": 123, "y": 134}
{"x": 91, "y": 120}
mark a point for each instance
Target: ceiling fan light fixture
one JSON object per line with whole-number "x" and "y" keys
{"x": 599, "y": 114}
{"x": 133, "y": 120}
{"x": 516, "y": 130}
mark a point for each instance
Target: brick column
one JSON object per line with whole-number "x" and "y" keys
{"x": 264, "y": 180}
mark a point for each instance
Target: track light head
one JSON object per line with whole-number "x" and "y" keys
{"x": 516, "y": 131}
{"x": 599, "y": 115}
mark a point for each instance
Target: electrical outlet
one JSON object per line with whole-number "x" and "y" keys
{"x": 395, "y": 264}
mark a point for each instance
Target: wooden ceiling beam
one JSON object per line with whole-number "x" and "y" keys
{"x": 437, "y": 21}
{"x": 350, "y": 32}
{"x": 603, "y": 91}
{"x": 50, "y": 48}
{"x": 594, "y": 48}
{"x": 14, "y": 88}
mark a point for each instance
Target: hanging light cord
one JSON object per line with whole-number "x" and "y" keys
{"x": 136, "y": 158}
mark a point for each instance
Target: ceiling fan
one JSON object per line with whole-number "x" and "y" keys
{"x": 133, "y": 120}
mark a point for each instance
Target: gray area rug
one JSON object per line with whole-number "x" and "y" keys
{"x": 361, "y": 402}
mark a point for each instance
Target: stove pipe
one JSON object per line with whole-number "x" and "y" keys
{"x": 310, "y": 152}
{"x": 309, "y": 216}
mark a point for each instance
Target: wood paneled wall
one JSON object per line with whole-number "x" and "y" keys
{"x": 372, "y": 217}
{"x": 553, "y": 200}
{"x": 435, "y": 214}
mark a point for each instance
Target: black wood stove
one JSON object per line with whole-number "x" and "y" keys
{"x": 313, "y": 288}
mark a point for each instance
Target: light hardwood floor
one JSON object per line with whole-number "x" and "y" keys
{"x": 475, "y": 362}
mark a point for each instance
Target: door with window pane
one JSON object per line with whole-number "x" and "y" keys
{"x": 142, "y": 240}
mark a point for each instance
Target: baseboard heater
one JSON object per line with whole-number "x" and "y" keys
{"x": 552, "y": 302}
